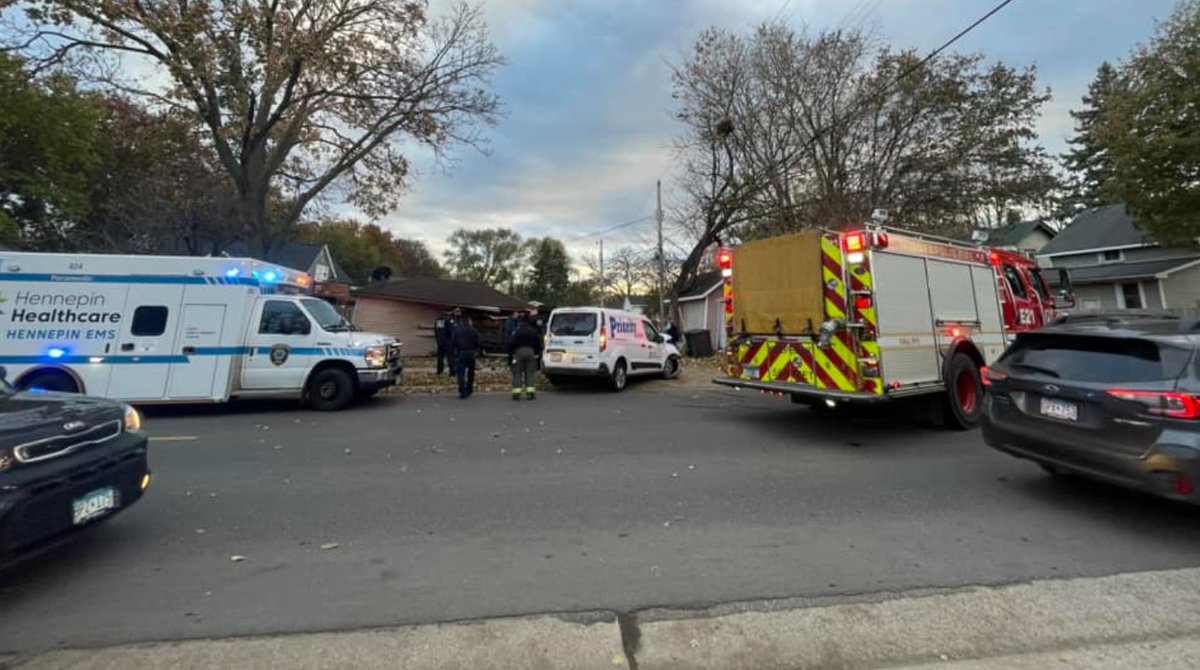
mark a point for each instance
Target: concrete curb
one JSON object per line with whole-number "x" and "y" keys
{"x": 1137, "y": 620}
{"x": 974, "y": 624}
{"x": 533, "y": 643}
{"x": 1178, "y": 654}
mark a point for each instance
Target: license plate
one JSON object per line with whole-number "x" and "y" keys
{"x": 1060, "y": 409}
{"x": 94, "y": 504}
{"x": 556, "y": 358}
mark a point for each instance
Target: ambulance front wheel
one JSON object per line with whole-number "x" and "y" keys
{"x": 330, "y": 389}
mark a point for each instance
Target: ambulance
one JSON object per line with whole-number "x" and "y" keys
{"x": 873, "y": 314}
{"x": 163, "y": 329}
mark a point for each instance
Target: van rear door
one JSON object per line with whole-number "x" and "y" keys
{"x": 573, "y": 337}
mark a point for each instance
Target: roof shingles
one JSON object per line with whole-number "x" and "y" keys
{"x": 1104, "y": 227}
{"x": 444, "y": 292}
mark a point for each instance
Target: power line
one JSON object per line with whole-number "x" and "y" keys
{"x": 619, "y": 226}
{"x": 906, "y": 73}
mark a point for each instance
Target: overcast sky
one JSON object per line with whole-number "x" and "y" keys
{"x": 586, "y": 95}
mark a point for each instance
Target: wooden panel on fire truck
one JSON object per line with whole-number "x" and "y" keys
{"x": 778, "y": 279}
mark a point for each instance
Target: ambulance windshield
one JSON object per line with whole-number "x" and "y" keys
{"x": 326, "y": 316}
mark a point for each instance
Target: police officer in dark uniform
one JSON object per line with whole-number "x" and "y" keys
{"x": 466, "y": 345}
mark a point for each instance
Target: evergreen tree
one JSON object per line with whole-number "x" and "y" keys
{"x": 1087, "y": 162}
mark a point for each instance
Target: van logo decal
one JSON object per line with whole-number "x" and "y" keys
{"x": 623, "y": 326}
{"x": 279, "y": 354}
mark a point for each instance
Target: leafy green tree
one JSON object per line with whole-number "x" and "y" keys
{"x": 491, "y": 255}
{"x": 361, "y": 248}
{"x": 1087, "y": 162}
{"x": 298, "y": 97}
{"x": 550, "y": 277}
{"x": 156, "y": 188}
{"x": 47, "y": 155}
{"x": 1150, "y": 130}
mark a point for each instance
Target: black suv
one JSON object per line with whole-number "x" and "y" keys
{"x": 1114, "y": 397}
{"x": 66, "y": 461}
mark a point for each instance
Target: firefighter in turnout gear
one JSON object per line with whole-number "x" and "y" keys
{"x": 525, "y": 349}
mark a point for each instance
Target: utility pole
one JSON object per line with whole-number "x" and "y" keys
{"x": 662, "y": 260}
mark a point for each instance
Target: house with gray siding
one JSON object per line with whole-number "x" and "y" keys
{"x": 1025, "y": 236}
{"x": 702, "y": 307}
{"x": 1115, "y": 265}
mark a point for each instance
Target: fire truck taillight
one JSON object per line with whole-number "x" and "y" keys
{"x": 854, "y": 242}
{"x": 862, "y": 302}
{"x": 725, "y": 262}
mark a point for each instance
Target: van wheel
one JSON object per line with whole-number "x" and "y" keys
{"x": 330, "y": 389}
{"x": 671, "y": 368}
{"x": 619, "y": 377}
{"x": 49, "y": 380}
{"x": 964, "y": 393}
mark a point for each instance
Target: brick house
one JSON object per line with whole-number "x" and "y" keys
{"x": 408, "y": 308}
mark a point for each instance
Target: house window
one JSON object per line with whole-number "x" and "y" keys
{"x": 321, "y": 273}
{"x": 1132, "y": 296}
{"x": 1112, "y": 256}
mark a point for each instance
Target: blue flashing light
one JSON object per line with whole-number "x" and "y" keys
{"x": 232, "y": 273}
{"x": 56, "y": 352}
{"x": 270, "y": 276}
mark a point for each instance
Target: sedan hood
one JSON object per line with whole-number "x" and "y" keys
{"x": 29, "y": 416}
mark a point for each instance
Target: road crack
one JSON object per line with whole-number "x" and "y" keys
{"x": 631, "y": 637}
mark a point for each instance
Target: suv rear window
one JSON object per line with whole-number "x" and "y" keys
{"x": 1105, "y": 360}
{"x": 573, "y": 324}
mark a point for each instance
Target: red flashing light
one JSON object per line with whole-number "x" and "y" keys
{"x": 724, "y": 259}
{"x": 955, "y": 332}
{"x": 995, "y": 258}
{"x": 729, "y": 307}
{"x": 862, "y": 302}
{"x": 853, "y": 242}
{"x": 1170, "y": 404}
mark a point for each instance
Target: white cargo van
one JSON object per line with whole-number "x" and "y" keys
{"x": 147, "y": 329}
{"x": 606, "y": 344}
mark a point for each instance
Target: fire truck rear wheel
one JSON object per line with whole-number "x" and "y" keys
{"x": 964, "y": 393}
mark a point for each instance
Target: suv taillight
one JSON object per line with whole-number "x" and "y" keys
{"x": 1174, "y": 405}
{"x": 988, "y": 375}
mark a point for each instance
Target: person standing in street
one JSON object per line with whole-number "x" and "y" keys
{"x": 466, "y": 346}
{"x": 524, "y": 349}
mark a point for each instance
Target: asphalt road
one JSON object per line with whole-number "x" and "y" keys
{"x": 445, "y": 510}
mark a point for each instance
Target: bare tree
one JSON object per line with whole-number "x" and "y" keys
{"x": 302, "y": 96}
{"x": 831, "y": 126}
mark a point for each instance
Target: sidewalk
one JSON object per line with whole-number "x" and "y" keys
{"x": 1139, "y": 621}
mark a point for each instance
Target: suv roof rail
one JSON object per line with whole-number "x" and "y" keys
{"x": 1114, "y": 317}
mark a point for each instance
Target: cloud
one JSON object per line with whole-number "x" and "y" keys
{"x": 587, "y": 129}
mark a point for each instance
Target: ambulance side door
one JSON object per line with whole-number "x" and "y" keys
{"x": 141, "y": 360}
{"x": 280, "y": 345}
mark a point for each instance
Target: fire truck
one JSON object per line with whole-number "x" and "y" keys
{"x": 876, "y": 314}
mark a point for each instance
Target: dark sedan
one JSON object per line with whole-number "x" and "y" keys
{"x": 66, "y": 462}
{"x": 1110, "y": 397}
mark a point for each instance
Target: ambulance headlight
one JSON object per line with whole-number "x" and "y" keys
{"x": 376, "y": 357}
{"x": 133, "y": 420}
